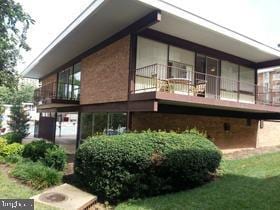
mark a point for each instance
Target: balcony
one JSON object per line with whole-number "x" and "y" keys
{"x": 47, "y": 94}
{"x": 204, "y": 89}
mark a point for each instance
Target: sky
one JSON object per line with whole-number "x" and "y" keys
{"x": 257, "y": 19}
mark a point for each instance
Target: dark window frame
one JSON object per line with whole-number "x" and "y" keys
{"x": 70, "y": 75}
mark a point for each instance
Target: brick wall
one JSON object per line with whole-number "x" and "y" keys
{"x": 104, "y": 74}
{"x": 239, "y": 136}
{"x": 49, "y": 79}
{"x": 50, "y": 83}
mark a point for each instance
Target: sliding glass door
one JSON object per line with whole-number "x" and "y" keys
{"x": 247, "y": 85}
{"x": 229, "y": 81}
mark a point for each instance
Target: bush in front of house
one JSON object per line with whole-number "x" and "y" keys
{"x": 36, "y": 174}
{"x": 36, "y": 150}
{"x": 55, "y": 158}
{"x": 49, "y": 154}
{"x": 13, "y": 137}
{"x": 10, "y": 153}
{"x": 12, "y": 149}
{"x": 135, "y": 165}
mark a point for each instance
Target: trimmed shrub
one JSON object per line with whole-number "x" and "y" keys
{"x": 135, "y": 165}
{"x": 36, "y": 150}
{"x": 11, "y": 149}
{"x": 12, "y": 137}
{"x": 36, "y": 174}
{"x": 55, "y": 158}
{"x": 49, "y": 154}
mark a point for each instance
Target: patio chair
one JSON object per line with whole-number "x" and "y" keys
{"x": 200, "y": 88}
{"x": 163, "y": 85}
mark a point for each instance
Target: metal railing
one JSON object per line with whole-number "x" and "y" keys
{"x": 49, "y": 91}
{"x": 44, "y": 93}
{"x": 163, "y": 78}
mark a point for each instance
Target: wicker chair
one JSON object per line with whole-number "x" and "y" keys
{"x": 200, "y": 89}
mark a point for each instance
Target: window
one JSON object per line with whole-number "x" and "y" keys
{"x": 102, "y": 123}
{"x": 276, "y": 100}
{"x": 76, "y": 81}
{"x": 276, "y": 86}
{"x": 150, "y": 52}
{"x": 63, "y": 83}
{"x": 229, "y": 85}
{"x": 276, "y": 76}
{"x": 247, "y": 85}
{"x": 69, "y": 83}
{"x": 183, "y": 62}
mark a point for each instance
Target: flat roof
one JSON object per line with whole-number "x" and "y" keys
{"x": 103, "y": 18}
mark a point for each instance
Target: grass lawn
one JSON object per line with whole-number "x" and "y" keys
{"x": 9, "y": 188}
{"x": 252, "y": 183}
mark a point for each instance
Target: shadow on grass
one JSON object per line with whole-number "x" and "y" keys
{"x": 228, "y": 192}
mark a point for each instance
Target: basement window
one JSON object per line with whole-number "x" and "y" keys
{"x": 226, "y": 127}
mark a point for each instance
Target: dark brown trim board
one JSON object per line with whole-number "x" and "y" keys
{"x": 135, "y": 27}
{"x": 125, "y": 106}
{"x": 167, "y": 108}
{"x": 132, "y": 63}
{"x": 169, "y": 39}
{"x": 267, "y": 64}
{"x": 192, "y": 101}
{"x": 133, "y": 106}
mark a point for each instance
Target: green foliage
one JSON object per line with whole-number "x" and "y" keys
{"x": 3, "y": 144}
{"x": 19, "y": 122}
{"x": 36, "y": 174}
{"x": 23, "y": 93}
{"x": 247, "y": 183}
{"x": 144, "y": 164}
{"x": 49, "y": 154}
{"x": 12, "y": 149}
{"x": 10, "y": 153}
{"x": 13, "y": 158}
{"x": 14, "y": 23}
{"x": 12, "y": 137}
{"x": 36, "y": 150}
{"x": 55, "y": 158}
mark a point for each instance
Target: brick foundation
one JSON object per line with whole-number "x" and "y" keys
{"x": 240, "y": 135}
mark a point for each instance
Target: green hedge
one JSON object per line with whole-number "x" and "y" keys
{"x": 50, "y": 154}
{"x": 144, "y": 164}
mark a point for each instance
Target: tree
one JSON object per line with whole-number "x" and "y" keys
{"x": 23, "y": 93}
{"x": 19, "y": 122}
{"x": 14, "y": 23}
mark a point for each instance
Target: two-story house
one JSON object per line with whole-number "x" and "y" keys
{"x": 139, "y": 64}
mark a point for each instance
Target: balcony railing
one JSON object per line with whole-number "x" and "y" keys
{"x": 48, "y": 92}
{"x": 181, "y": 81}
{"x": 44, "y": 93}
